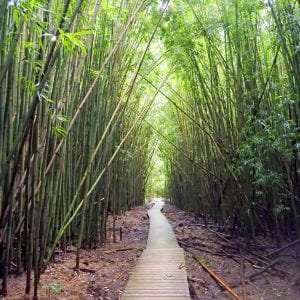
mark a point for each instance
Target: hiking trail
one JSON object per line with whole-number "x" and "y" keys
{"x": 160, "y": 272}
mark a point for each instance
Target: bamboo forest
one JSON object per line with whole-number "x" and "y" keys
{"x": 106, "y": 105}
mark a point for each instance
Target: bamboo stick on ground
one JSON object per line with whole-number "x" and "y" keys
{"x": 218, "y": 280}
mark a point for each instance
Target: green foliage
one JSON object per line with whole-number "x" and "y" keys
{"x": 55, "y": 288}
{"x": 98, "y": 109}
{"x": 71, "y": 42}
{"x": 156, "y": 182}
{"x": 59, "y": 131}
{"x": 268, "y": 135}
{"x": 71, "y": 123}
{"x": 235, "y": 147}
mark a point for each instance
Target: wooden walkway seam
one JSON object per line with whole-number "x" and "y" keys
{"x": 160, "y": 272}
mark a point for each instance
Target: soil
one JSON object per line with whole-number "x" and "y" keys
{"x": 223, "y": 254}
{"x": 103, "y": 272}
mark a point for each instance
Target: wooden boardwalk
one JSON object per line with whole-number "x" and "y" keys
{"x": 160, "y": 272}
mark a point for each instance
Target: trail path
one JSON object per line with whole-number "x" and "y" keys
{"x": 160, "y": 272}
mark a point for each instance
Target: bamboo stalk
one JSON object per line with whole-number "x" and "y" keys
{"x": 218, "y": 279}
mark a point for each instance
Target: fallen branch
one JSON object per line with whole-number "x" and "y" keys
{"x": 282, "y": 248}
{"x": 201, "y": 249}
{"x": 85, "y": 270}
{"x": 255, "y": 274}
{"x": 194, "y": 279}
{"x": 219, "y": 235}
{"x": 122, "y": 249}
{"x": 270, "y": 265}
{"x": 218, "y": 280}
{"x": 185, "y": 246}
{"x": 235, "y": 257}
{"x": 266, "y": 261}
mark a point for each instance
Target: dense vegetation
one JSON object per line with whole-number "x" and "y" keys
{"x": 79, "y": 125}
{"x": 236, "y": 113}
{"x": 73, "y": 147}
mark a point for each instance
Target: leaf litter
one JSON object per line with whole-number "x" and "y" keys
{"x": 103, "y": 272}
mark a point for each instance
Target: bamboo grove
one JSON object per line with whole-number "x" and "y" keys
{"x": 73, "y": 147}
{"x": 79, "y": 124}
{"x": 234, "y": 156}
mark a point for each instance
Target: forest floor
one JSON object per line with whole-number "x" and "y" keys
{"x": 104, "y": 271}
{"x": 223, "y": 255}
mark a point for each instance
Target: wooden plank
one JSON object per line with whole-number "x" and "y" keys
{"x": 160, "y": 272}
